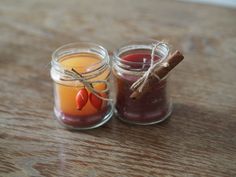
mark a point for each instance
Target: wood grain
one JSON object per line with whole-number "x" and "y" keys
{"x": 198, "y": 140}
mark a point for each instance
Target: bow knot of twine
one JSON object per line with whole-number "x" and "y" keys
{"x": 142, "y": 81}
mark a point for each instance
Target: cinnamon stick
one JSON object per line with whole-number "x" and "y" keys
{"x": 161, "y": 72}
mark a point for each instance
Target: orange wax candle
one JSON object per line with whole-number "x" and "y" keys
{"x": 67, "y": 94}
{"x": 66, "y": 91}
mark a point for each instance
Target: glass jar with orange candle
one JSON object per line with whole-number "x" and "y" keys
{"x": 81, "y": 85}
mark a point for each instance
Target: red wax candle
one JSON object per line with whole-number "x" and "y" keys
{"x": 155, "y": 105}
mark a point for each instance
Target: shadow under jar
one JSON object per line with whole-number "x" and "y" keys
{"x": 76, "y": 106}
{"x": 130, "y": 62}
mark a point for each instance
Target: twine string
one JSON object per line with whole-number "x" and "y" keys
{"x": 76, "y": 76}
{"x": 142, "y": 81}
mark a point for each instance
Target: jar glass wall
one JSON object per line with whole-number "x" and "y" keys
{"x": 130, "y": 62}
{"x": 82, "y": 95}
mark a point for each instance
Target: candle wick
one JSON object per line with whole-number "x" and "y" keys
{"x": 144, "y": 63}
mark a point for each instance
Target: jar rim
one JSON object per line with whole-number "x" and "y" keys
{"x": 85, "y": 47}
{"x": 61, "y": 73}
{"x": 146, "y": 44}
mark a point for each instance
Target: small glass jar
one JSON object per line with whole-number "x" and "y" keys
{"x": 82, "y": 95}
{"x": 130, "y": 62}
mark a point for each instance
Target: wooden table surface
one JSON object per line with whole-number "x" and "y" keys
{"x": 198, "y": 140}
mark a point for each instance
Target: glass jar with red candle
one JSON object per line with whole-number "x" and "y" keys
{"x": 130, "y": 62}
{"x": 80, "y": 72}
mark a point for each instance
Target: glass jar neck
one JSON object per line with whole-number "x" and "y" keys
{"x": 136, "y": 57}
{"x": 59, "y": 66}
